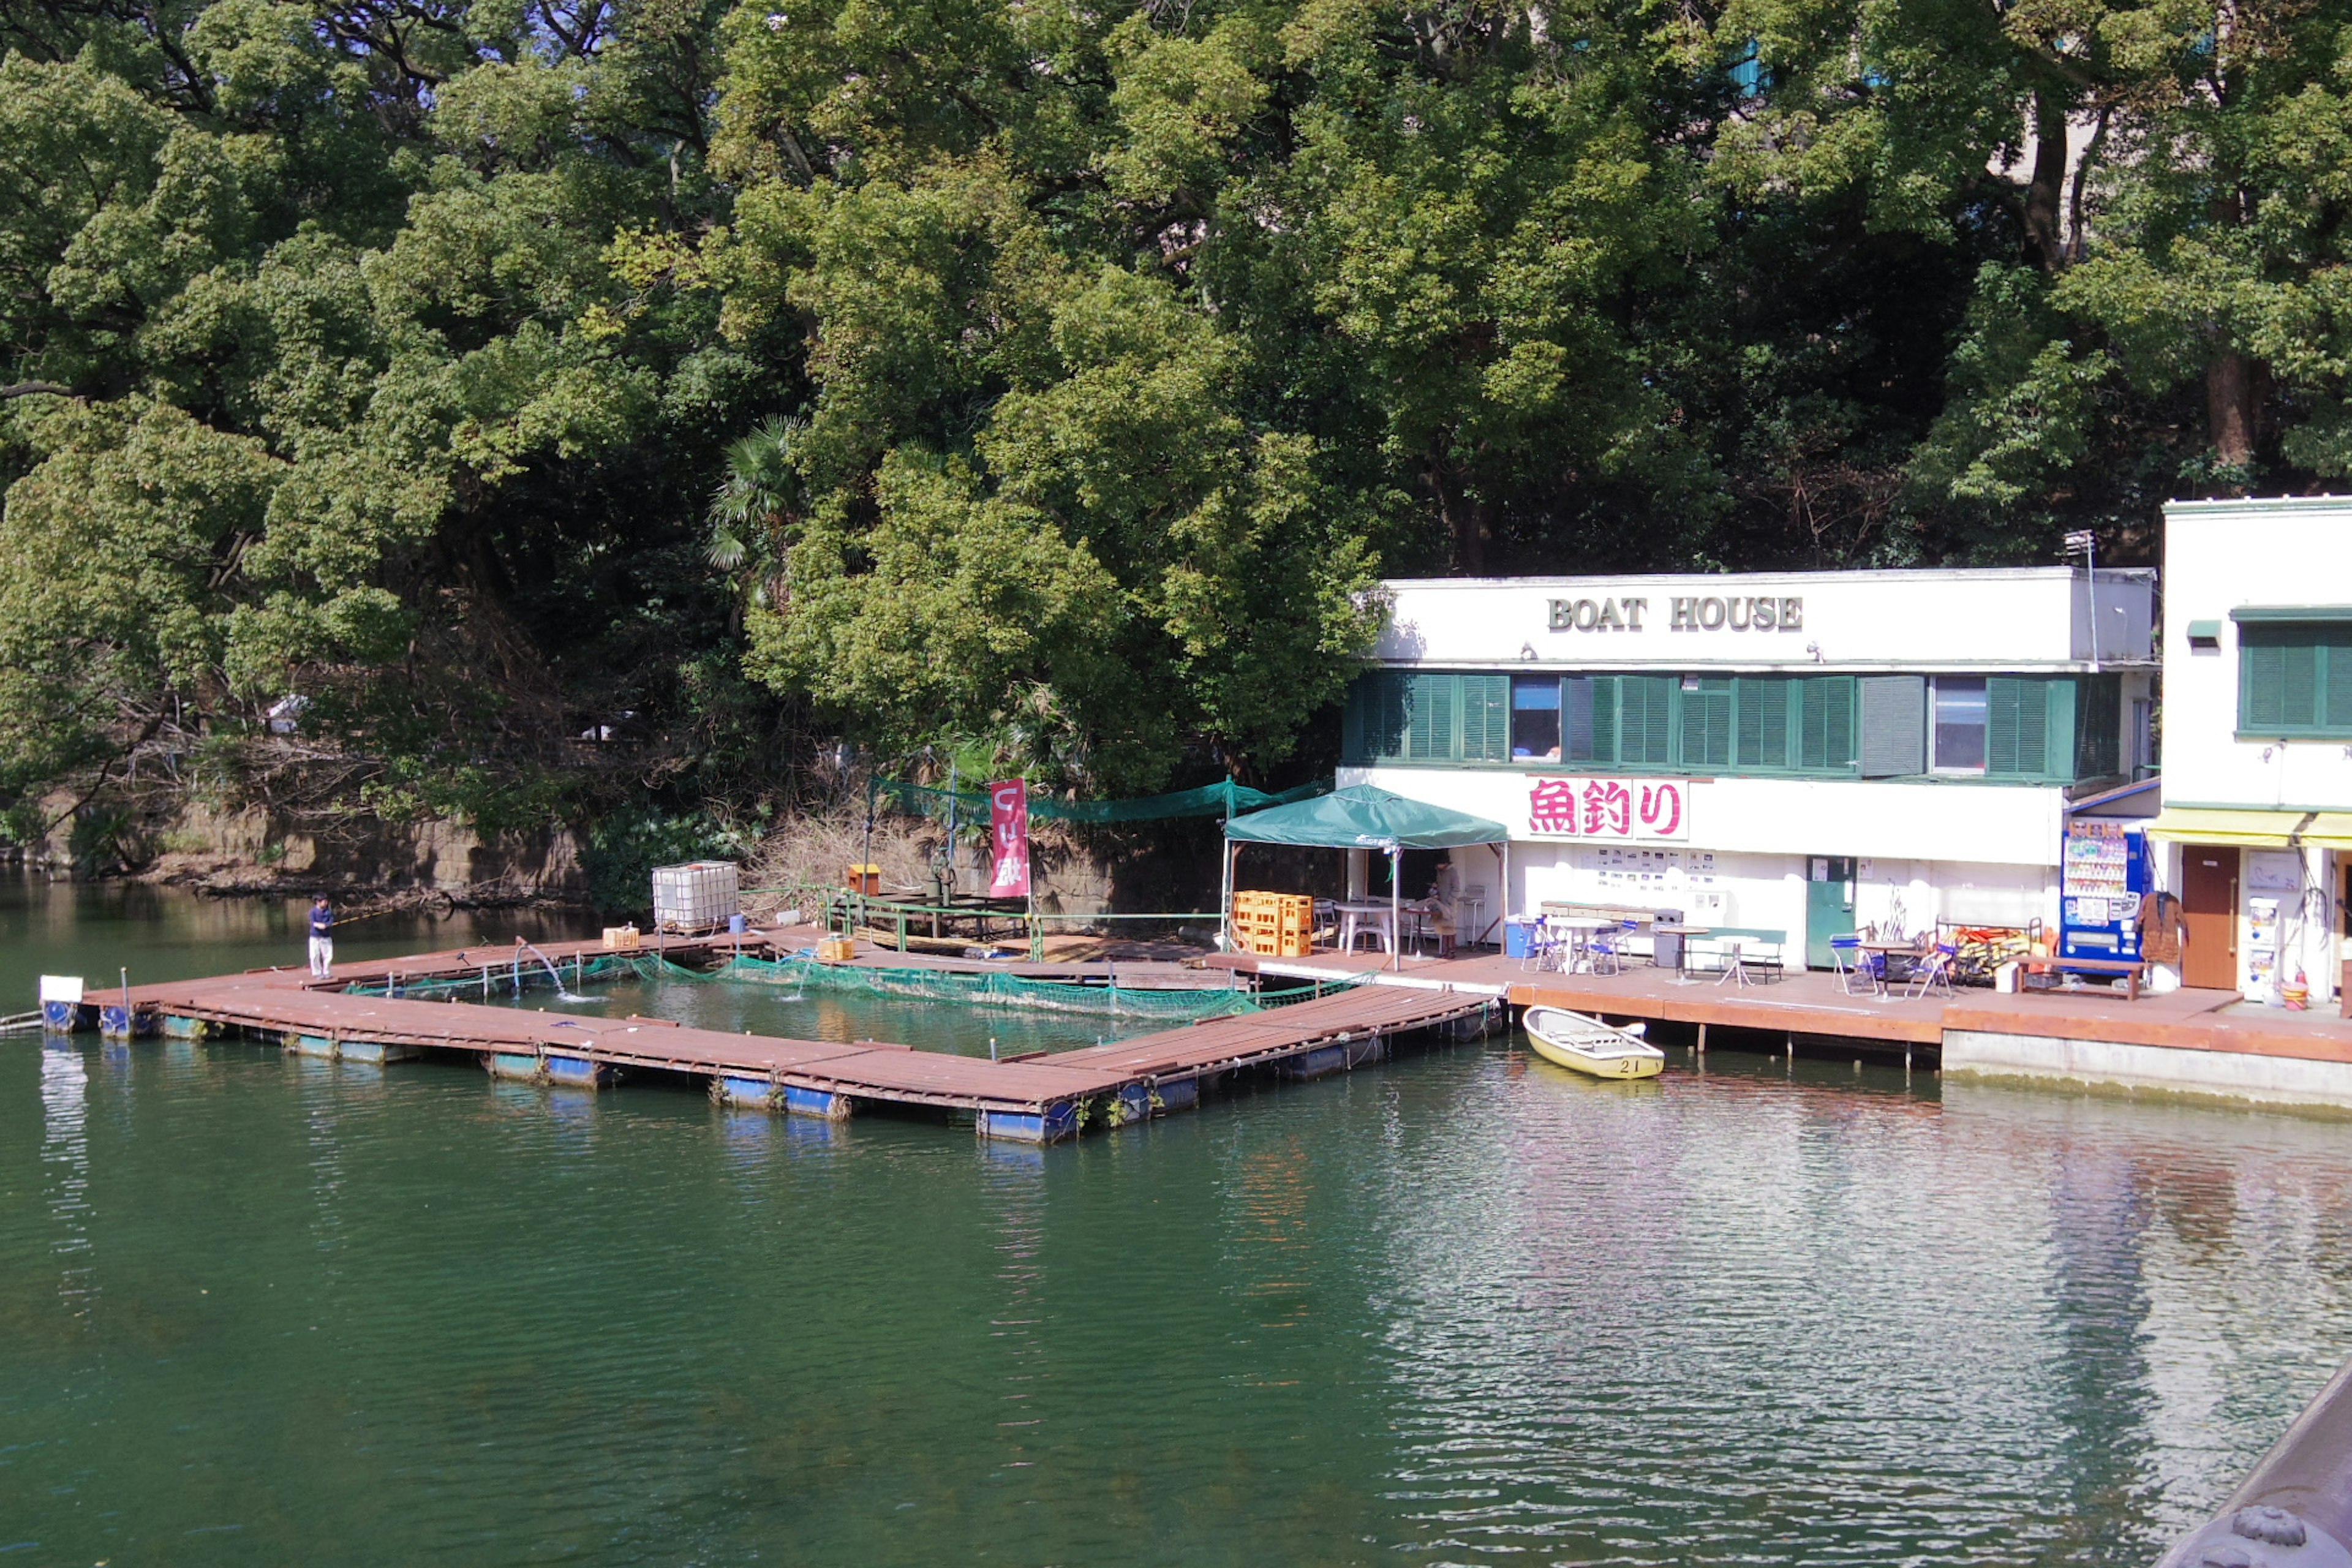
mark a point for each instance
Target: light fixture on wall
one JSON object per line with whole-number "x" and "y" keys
{"x": 1528, "y": 652}
{"x": 1815, "y": 649}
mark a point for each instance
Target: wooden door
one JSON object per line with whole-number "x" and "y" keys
{"x": 2209, "y": 905}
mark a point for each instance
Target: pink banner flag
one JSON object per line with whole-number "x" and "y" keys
{"x": 1008, "y": 820}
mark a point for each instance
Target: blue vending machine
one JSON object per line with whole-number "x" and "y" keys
{"x": 2101, "y": 881}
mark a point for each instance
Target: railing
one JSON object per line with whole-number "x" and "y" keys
{"x": 851, "y": 909}
{"x": 2295, "y": 1510}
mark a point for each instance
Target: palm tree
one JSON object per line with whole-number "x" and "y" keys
{"x": 756, "y": 505}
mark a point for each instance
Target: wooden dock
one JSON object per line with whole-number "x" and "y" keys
{"x": 1037, "y": 1098}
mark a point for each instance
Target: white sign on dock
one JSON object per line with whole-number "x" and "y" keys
{"x": 61, "y": 988}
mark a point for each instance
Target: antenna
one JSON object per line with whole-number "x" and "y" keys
{"x": 2082, "y": 542}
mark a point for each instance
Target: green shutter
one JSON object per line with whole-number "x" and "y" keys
{"x": 2097, "y": 717}
{"x": 1894, "y": 725}
{"x": 1390, "y": 692}
{"x": 1825, "y": 737}
{"x": 1486, "y": 717}
{"x": 1762, "y": 703}
{"x": 1588, "y": 718}
{"x": 2017, "y": 726}
{"x": 1707, "y": 723}
{"x": 2299, "y": 684}
{"x": 2262, "y": 668}
{"x": 1644, "y": 721}
{"x": 1428, "y": 717}
{"x": 2337, "y": 649}
{"x": 2003, "y": 696}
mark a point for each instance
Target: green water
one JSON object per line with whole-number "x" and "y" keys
{"x": 1459, "y": 1308}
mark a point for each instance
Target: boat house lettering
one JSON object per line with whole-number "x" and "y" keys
{"x": 1686, "y": 615}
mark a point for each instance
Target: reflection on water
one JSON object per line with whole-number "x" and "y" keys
{"x": 1458, "y": 1307}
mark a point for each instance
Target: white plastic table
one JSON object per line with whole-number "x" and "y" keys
{"x": 1380, "y": 918}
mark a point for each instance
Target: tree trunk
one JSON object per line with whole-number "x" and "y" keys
{"x": 2232, "y": 407}
{"x": 2046, "y": 193}
{"x": 1466, "y": 521}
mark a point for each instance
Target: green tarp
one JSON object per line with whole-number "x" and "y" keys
{"x": 1364, "y": 818}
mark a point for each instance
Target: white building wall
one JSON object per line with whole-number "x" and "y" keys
{"x": 1995, "y": 848}
{"x": 1994, "y": 619}
{"x": 2225, "y": 555}
{"x": 2221, "y": 556}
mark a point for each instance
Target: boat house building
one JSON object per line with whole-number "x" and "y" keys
{"x": 2255, "y": 836}
{"x": 1802, "y": 753}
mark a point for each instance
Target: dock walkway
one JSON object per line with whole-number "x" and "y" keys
{"x": 1035, "y": 1098}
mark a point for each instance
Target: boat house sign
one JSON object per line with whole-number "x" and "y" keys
{"x": 1744, "y": 613}
{"x": 1609, "y": 809}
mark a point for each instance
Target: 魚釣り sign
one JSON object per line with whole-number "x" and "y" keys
{"x": 1613, "y": 809}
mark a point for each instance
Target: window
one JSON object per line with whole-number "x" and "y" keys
{"x": 2294, "y": 678}
{"x": 1959, "y": 724}
{"x": 1535, "y": 718}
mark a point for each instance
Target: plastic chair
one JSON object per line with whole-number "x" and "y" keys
{"x": 1933, "y": 974}
{"x": 1473, "y": 914}
{"x": 1542, "y": 946}
{"x": 1603, "y": 950}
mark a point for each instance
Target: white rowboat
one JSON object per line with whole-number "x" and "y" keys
{"x": 1588, "y": 1045}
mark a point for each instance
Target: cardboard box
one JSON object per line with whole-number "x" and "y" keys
{"x": 622, "y": 938}
{"x": 836, "y": 949}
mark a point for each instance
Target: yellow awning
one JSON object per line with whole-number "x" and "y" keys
{"x": 2330, "y": 830}
{"x": 2258, "y": 829}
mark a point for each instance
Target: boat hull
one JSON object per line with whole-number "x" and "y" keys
{"x": 1613, "y": 1056}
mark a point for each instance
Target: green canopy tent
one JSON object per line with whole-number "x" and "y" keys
{"x": 1364, "y": 817}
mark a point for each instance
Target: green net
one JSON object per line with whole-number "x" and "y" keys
{"x": 1224, "y": 798}
{"x": 985, "y": 989}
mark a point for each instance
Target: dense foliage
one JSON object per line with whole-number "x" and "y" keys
{"x": 530, "y": 406}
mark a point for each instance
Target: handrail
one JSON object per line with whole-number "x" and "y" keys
{"x": 2294, "y": 1510}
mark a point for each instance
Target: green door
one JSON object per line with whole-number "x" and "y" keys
{"x": 1828, "y": 906}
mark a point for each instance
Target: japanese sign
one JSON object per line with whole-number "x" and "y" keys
{"x": 1008, "y": 821}
{"x": 1609, "y": 808}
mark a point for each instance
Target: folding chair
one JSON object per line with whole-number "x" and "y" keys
{"x": 1604, "y": 949}
{"x": 1859, "y": 972}
{"x": 1544, "y": 946}
{"x": 1933, "y": 974}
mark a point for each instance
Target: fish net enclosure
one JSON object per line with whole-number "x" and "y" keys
{"x": 990, "y": 989}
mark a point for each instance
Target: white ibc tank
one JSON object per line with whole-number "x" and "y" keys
{"x": 698, "y": 895}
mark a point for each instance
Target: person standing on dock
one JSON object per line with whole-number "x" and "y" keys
{"x": 322, "y": 939}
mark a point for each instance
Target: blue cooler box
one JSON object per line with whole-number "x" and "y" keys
{"x": 1518, "y": 938}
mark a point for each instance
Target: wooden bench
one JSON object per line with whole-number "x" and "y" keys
{"x": 2130, "y": 968}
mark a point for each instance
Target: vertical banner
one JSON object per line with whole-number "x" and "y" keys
{"x": 1008, "y": 815}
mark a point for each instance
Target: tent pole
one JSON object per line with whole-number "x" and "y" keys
{"x": 1396, "y": 909}
{"x": 1223, "y": 897}
{"x": 1502, "y": 897}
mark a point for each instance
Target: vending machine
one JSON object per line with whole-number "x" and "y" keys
{"x": 2102, "y": 879}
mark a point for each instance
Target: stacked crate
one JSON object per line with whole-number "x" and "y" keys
{"x": 1275, "y": 925}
